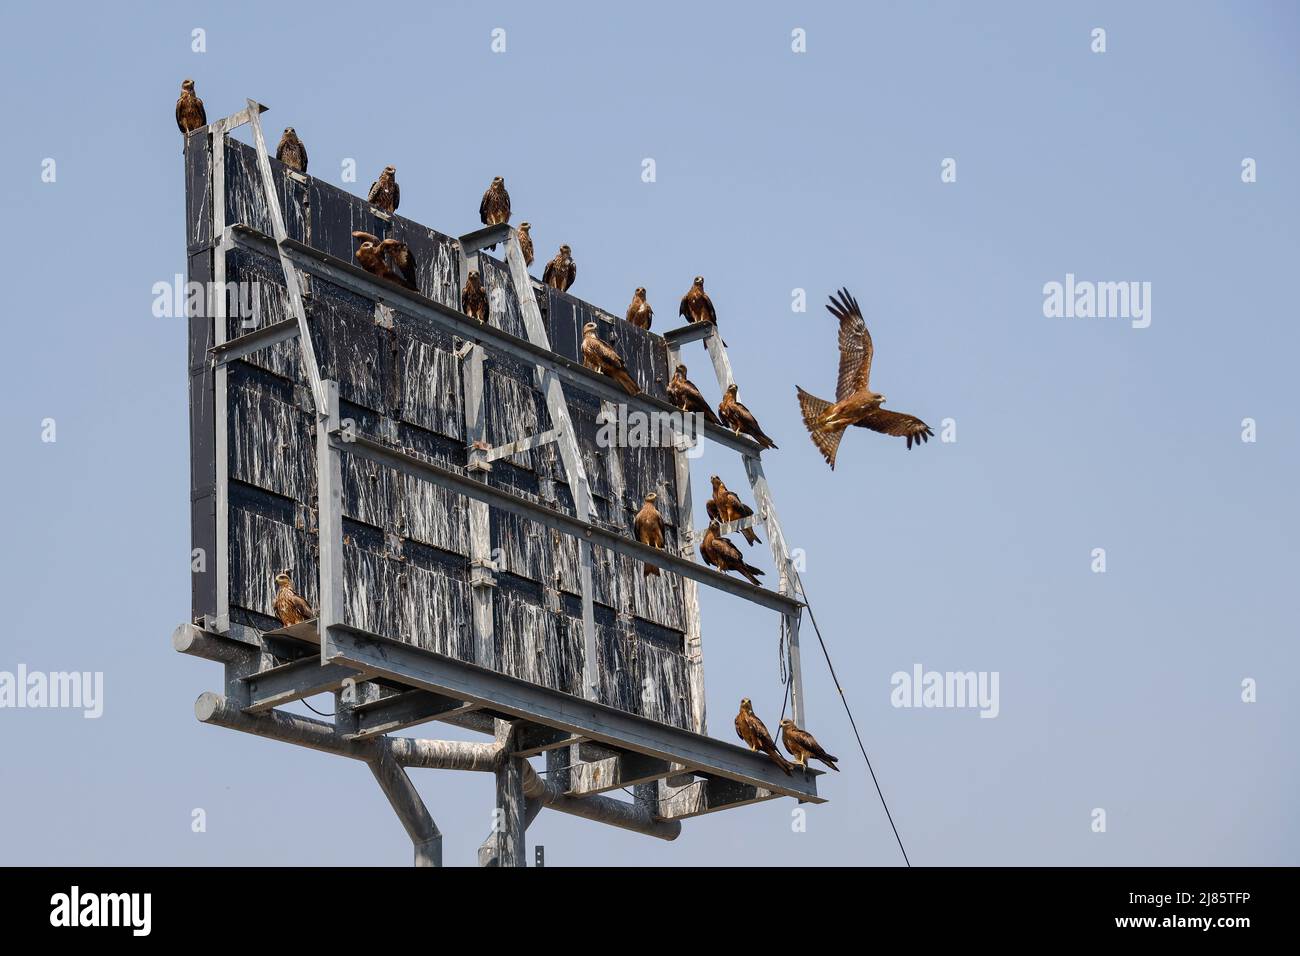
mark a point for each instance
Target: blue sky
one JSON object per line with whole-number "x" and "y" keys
{"x": 775, "y": 171}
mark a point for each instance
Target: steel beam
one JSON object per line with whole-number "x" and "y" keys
{"x": 317, "y": 263}
{"x": 585, "y": 718}
{"x": 262, "y": 338}
{"x": 405, "y": 710}
{"x": 613, "y": 773}
{"x": 285, "y": 683}
{"x": 708, "y": 795}
{"x": 366, "y": 447}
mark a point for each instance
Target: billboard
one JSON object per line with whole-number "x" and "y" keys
{"x": 407, "y": 550}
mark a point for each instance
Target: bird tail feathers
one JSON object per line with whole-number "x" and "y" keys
{"x": 827, "y": 440}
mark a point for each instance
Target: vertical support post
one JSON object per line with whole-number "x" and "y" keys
{"x": 482, "y": 568}
{"x": 548, "y": 383}
{"x": 329, "y": 518}
{"x": 220, "y": 403}
{"x": 505, "y": 845}
{"x": 292, "y": 282}
{"x": 690, "y": 590}
{"x": 766, "y": 509}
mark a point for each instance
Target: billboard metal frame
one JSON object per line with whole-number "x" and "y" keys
{"x": 382, "y": 685}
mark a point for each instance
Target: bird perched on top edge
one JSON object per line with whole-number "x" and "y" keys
{"x": 683, "y": 393}
{"x": 649, "y": 528}
{"x": 473, "y": 298}
{"x": 801, "y": 745}
{"x": 602, "y": 357}
{"x": 726, "y": 506}
{"x": 639, "y": 312}
{"x": 697, "y": 306}
{"x": 855, "y": 403}
{"x": 288, "y": 606}
{"x": 291, "y": 151}
{"x": 494, "y": 208}
{"x": 740, "y": 419}
{"x": 190, "y": 114}
{"x": 561, "y": 271}
{"x": 754, "y": 733}
{"x": 526, "y": 242}
{"x": 725, "y": 556}
{"x": 385, "y": 194}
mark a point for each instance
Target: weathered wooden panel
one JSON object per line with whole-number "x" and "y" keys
{"x": 536, "y": 644}
{"x": 406, "y": 542}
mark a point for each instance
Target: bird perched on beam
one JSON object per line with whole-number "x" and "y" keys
{"x": 602, "y": 357}
{"x": 726, "y": 506}
{"x": 291, "y": 151}
{"x": 639, "y": 312}
{"x": 561, "y": 271}
{"x": 725, "y": 556}
{"x": 855, "y": 403}
{"x": 385, "y": 194}
{"x": 389, "y": 259}
{"x": 754, "y": 733}
{"x": 697, "y": 306}
{"x": 740, "y": 419}
{"x": 683, "y": 393}
{"x": 288, "y": 606}
{"x": 190, "y": 114}
{"x": 801, "y": 745}
{"x": 649, "y": 528}
{"x": 526, "y": 242}
{"x": 473, "y": 298}
{"x": 495, "y": 207}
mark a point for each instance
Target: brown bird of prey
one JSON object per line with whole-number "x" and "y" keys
{"x": 725, "y": 556}
{"x": 289, "y": 607}
{"x": 473, "y": 299}
{"x": 190, "y": 114}
{"x": 561, "y": 271}
{"x": 495, "y": 207}
{"x": 639, "y": 312}
{"x": 801, "y": 745}
{"x": 596, "y": 354}
{"x": 389, "y": 259}
{"x": 739, "y": 418}
{"x": 385, "y": 194}
{"x": 649, "y": 527}
{"x": 725, "y": 506}
{"x": 526, "y": 242}
{"x": 697, "y": 306}
{"x": 753, "y": 732}
{"x": 855, "y": 403}
{"x": 684, "y": 394}
{"x": 291, "y": 151}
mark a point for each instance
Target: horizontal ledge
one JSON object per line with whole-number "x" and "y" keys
{"x": 367, "y": 447}
{"x": 472, "y": 242}
{"x": 543, "y": 705}
{"x": 573, "y": 373}
{"x": 686, "y": 334}
{"x": 250, "y": 342}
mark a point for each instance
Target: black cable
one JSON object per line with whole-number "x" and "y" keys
{"x": 320, "y": 713}
{"x": 848, "y": 710}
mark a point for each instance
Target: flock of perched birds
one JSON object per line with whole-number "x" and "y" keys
{"x": 855, "y": 402}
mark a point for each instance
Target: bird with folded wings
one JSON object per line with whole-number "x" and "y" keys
{"x": 855, "y": 403}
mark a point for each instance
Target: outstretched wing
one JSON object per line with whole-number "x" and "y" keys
{"x": 483, "y": 206}
{"x": 855, "y": 346}
{"x": 365, "y": 237}
{"x": 899, "y": 424}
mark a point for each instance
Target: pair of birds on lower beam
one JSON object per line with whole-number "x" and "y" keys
{"x": 799, "y": 743}
{"x": 716, "y": 550}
